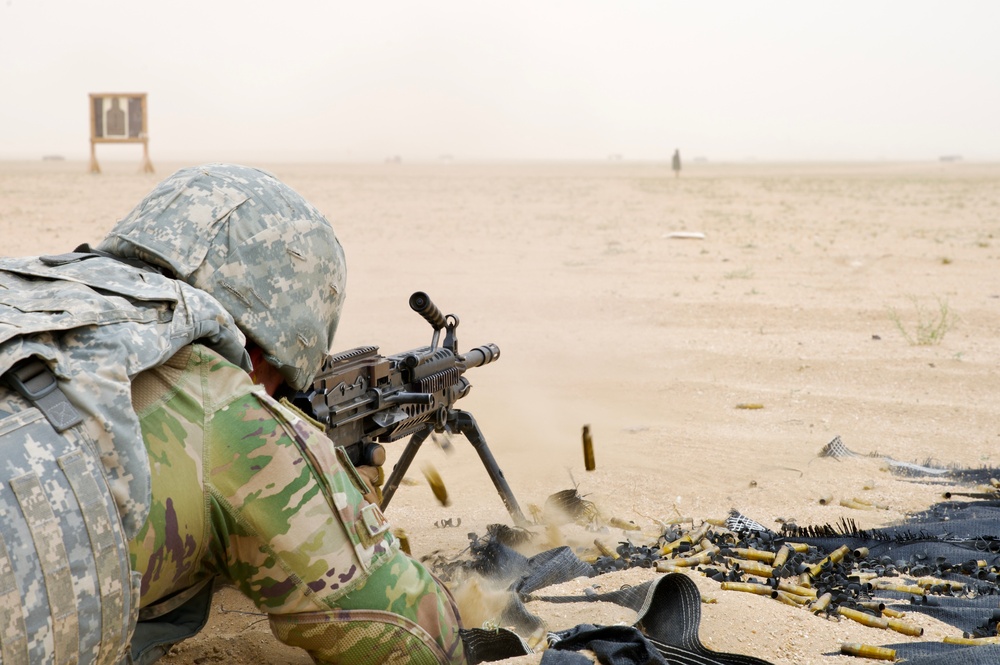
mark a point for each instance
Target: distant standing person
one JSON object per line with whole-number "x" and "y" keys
{"x": 676, "y": 163}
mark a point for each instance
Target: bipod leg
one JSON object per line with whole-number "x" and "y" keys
{"x": 399, "y": 470}
{"x": 462, "y": 421}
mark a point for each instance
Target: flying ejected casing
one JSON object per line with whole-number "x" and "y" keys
{"x": 404, "y": 541}
{"x": 588, "y": 450}
{"x": 437, "y": 485}
{"x": 867, "y": 651}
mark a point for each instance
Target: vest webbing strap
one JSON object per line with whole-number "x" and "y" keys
{"x": 35, "y": 382}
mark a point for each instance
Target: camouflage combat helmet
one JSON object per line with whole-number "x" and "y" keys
{"x": 257, "y": 246}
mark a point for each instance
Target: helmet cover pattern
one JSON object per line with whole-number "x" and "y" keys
{"x": 264, "y": 252}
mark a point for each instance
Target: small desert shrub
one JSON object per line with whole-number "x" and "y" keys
{"x": 931, "y": 325}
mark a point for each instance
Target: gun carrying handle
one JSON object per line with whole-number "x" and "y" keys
{"x": 421, "y": 303}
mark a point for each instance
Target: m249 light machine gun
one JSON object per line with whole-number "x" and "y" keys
{"x": 365, "y": 399}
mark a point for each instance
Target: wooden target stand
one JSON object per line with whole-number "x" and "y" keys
{"x": 119, "y": 118}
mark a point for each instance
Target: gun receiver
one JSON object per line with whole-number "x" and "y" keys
{"x": 365, "y": 399}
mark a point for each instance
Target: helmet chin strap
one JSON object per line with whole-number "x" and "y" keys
{"x": 264, "y": 373}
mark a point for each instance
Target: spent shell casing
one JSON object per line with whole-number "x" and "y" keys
{"x": 796, "y": 589}
{"x": 786, "y": 598}
{"x": 699, "y": 559}
{"x": 437, "y": 485}
{"x": 901, "y": 588}
{"x": 754, "y": 567}
{"x": 822, "y": 602}
{"x": 834, "y": 557}
{"x": 668, "y": 567}
{"x": 791, "y": 598}
{"x": 604, "y": 549}
{"x": 971, "y": 641}
{"x": 404, "y": 541}
{"x": 747, "y": 587}
{"x": 588, "y": 450}
{"x": 905, "y": 627}
{"x": 625, "y": 525}
{"x": 754, "y": 554}
{"x": 853, "y": 503}
{"x": 781, "y": 556}
{"x": 863, "y": 618}
{"x": 826, "y": 500}
{"x": 867, "y": 651}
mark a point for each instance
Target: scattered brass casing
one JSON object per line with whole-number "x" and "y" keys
{"x": 971, "y": 640}
{"x": 863, "y": 618}
{"x": 604, "y": 549}
{"x": 796, "y": 589}
{"x": 905, "y": 628}
{"x": 853, "y": 503}
{"x": 754, "y": 567}
{"x": 833, "y": 557}
{"x": 754, "y": 555}
{"x": 787, "y": 598}
{"x": 822, "y": 602}
{"x": 902, "y": 588}
{"x": 747, "y": 587}
{"x": 867, "y": 651}
{"x": 791, "y": 598}
{"x": 781, "y": 556}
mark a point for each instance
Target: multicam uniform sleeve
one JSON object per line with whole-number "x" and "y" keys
{"x": 294, "y": 533}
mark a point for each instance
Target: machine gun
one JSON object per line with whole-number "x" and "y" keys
{"x": 365, "y": 399}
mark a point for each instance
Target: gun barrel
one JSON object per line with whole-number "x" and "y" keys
{"x": 482, "y": 355}
{"x": 421, "y": 303}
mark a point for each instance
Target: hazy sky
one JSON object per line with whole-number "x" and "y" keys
{"x": 536, "y": 79}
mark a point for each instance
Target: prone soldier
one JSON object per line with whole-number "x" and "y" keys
{"x": 145, "y": 455}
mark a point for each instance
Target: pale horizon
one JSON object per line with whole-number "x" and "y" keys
{"x": 309, "y": 81}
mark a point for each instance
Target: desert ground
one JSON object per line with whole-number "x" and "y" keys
{"x": 859, "y": 300}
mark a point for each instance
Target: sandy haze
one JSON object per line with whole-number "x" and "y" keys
{"x": 791, "y": 301}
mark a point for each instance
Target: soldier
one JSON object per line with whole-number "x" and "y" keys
{"x": 675, "y": 163}
{"x": 145, "y": 455}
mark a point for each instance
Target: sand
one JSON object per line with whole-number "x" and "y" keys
{"x": 814, "y": 294}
